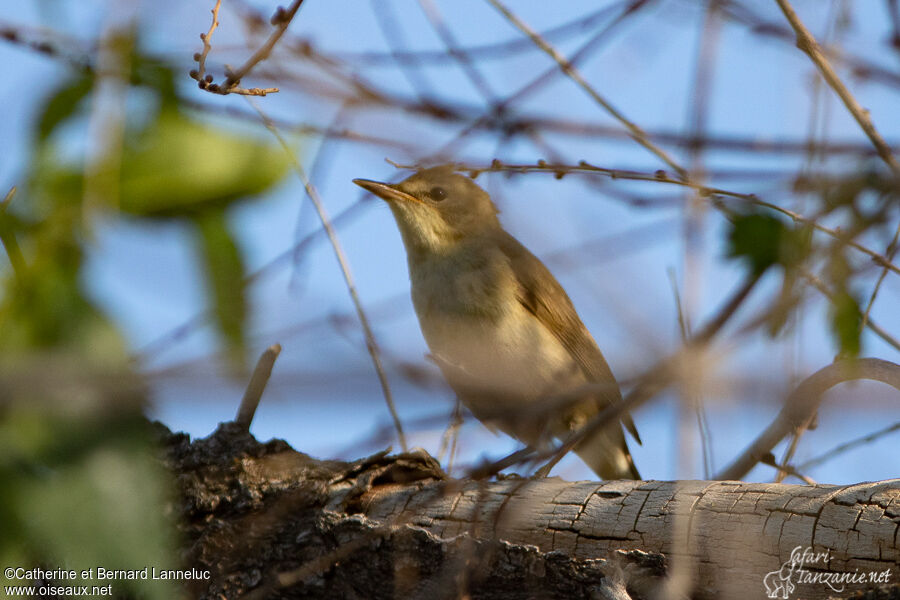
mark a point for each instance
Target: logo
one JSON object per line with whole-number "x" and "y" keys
{"x": 793, "y": 572}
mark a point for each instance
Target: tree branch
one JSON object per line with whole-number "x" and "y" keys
{"x": 805, "y": 400}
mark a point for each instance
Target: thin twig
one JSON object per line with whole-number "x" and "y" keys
{"x": 662, "y": 177}
{"x": 792, "y": 448}
{"x": 282, "y": 19}
{"x": 257, "y": 386}
{"x": 215, "y": 89}
{"x": 656, "y": 379}
{"x": 786, "y": 469}
{"x": 805, "y": 400}
{"x": 462, "y": 58}
{"x": 450, "y": 436}
{"x": 396, "y": 40}
{"x": 175, "y": 334}
{"x": 725, "y": 313}
{"x": 694, "y": 213}
{"x": 371, "y": 344}
{"x": 635, "y": 132}
{"x": 495, "y": 50}
{"x": 683, "y": 326}
{"x": 757, "y": 25}
{"x": 889, "y": 252}
{"x": 699, "y": 408}
{"x": 201, "y": 61}
{"x": 807, "y": 43}
{"x": 817, "y": 283}
{"x": 321, "y": 158}
{"x": 860, "y": 441}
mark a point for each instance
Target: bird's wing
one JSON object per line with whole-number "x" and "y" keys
{"x": 544, "y": 297}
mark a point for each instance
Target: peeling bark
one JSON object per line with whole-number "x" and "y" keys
{"x": 269, "y": 521}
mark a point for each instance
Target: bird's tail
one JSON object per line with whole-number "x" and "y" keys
{"x": 607, "y": 454}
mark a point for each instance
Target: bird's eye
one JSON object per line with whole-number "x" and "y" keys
{"x": 437, "y": 193}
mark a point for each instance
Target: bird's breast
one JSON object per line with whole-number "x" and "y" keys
{"x": 493, "y": 352}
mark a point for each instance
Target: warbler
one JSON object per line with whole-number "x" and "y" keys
{"x": 501, "y": 328}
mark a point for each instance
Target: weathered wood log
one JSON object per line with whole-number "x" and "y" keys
{"x": 725, "y": 535}
{"x": 268, "y": 521}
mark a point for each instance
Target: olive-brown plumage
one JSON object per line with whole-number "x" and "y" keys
{"x": 500, "y": 326}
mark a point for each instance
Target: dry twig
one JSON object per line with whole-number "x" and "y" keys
{"x": 371, "y": 344}
{"x": 807, "y": 43}
{"x": 805, "y": 400}
{"x": 860, "y": 441}
{"x": 256, "y": 386}
{"x": 201, "y": 60}
{"x": 561, "y": 171}
{"x": 281, "y": 20}
{"x": 634, "y": 131}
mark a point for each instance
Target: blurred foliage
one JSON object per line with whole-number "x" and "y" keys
{"x": 845, "y": 318}
{"x": 81, "y": 486}
{"x": 174, "y": 167}
{"x": 42, "y": 304}
{"x": 170, "y": 166}
{"x": 763, "y": 241}
{"x": 845, "y": 315}
{"x": 862, "y": 202}
{"x": 225, "y": 272}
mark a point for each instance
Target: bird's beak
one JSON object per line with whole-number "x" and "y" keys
{"x": 385, "y": 191}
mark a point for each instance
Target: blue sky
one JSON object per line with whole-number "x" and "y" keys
{"x": 324, "y": 397}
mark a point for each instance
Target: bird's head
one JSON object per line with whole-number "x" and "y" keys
{"x": 436, "y": 208}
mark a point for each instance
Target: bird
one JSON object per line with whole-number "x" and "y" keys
{"x": 501, "y": 328}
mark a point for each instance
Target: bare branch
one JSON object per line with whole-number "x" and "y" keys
{"x": 257, "y": 386}
{"x": 560, "y": 171}
{"x": 817, "y": 283}
{"x": 860, "y": 441}
{"x": 807, "y": 43}
{"x": 805, "y": 400}
{"x": 201, "y": 60}
{"x": 371, "y": 344}
{"x": 889, "y": 252}
{"x": 635, "y": 132}
{"x": 281, "y": 20}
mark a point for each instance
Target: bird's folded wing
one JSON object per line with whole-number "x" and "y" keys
{"x": 543, "y": 296}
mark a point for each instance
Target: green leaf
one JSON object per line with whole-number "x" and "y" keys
{"x": 178, "y": 166}
{"x": 838, "y": 269}
{"x": 146, "y": 72}
{"x": 757, "y": 239}
{"x": 150, "y": 72}
{"x": 43, "y": 305}
{"x": 225, "y": 280}
{"x": 8, "y": 239}
{"x": 763, "y": 240}
{"x": 62, "y": 105}
{"x": 846, "y": 323}
{"x": 85, "y": 488}
{"x": 174, "y": 167}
